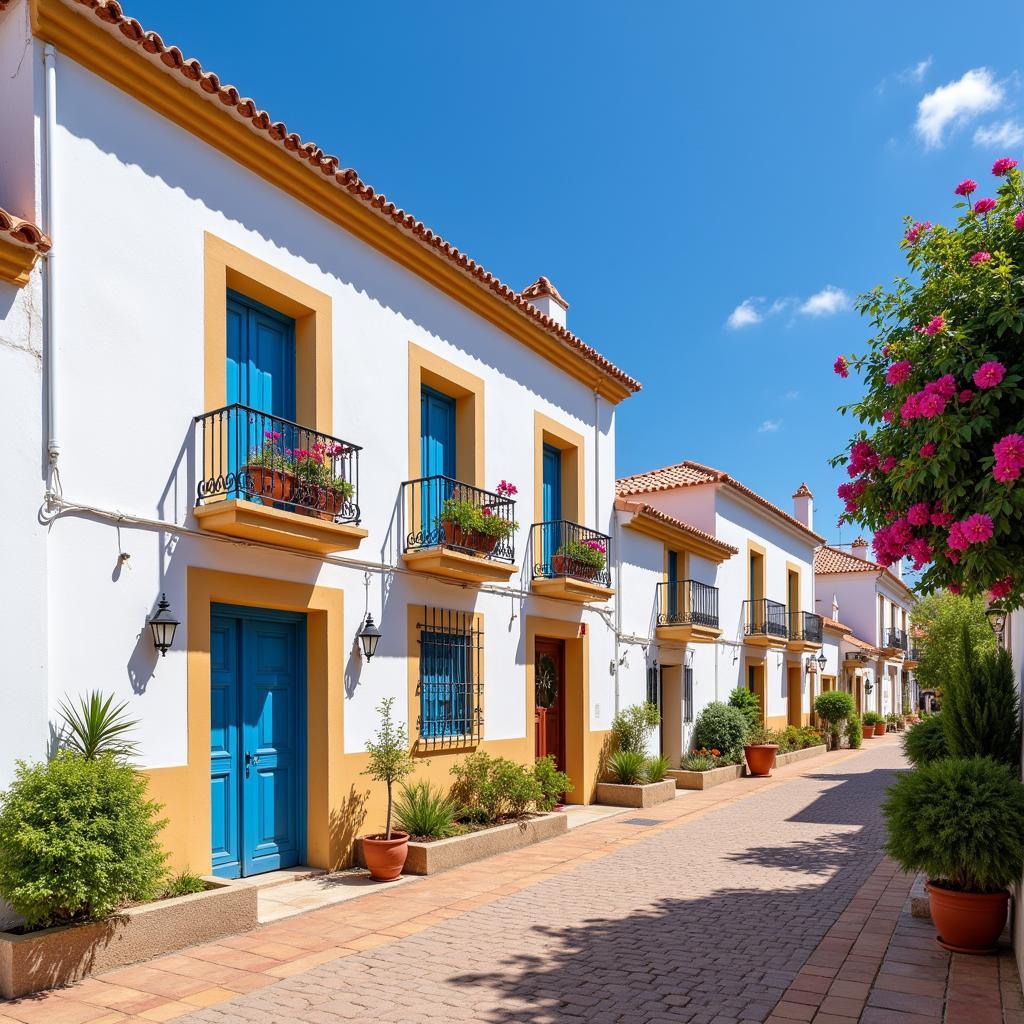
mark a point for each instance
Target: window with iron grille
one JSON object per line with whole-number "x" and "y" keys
{"x": 687, "y": 694}
{"x": 652, "y": 685}
{"x": 450, "y": 682}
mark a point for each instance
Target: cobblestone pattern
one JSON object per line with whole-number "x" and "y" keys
{"x": 708, "y": 922}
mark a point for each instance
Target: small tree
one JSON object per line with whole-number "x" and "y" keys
{"x": 745, "y": 700}
{"x": 390, "y": 760}
{"x": 633, "y": 725}
{"x": 834, "y": 707}
{"x": 942, "y": 619}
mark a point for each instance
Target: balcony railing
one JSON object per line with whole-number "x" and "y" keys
{"x": 438, "y": 512}
{"x": 896, "y": 639}
{"x": 805, "y": 626}
{"x": 687, "y": 603}
{"x": 564, "y": 549}
{"x": 765, "y": 618}
{"x": 915, "y": 653}
{"x": 251, "y": 455}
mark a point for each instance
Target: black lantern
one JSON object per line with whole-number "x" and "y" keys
{"x": 369, "y": 636}
{"x": 997, "y": 620}
{"x": 163, "y": 625}
{"x": 822, "y": 661}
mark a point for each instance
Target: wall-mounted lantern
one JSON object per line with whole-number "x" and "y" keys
{"x": 369, "y": 636}
{"x": 821, "y": 660}
{"x": 997, "y": 620}
{"x": 163, "y": 625}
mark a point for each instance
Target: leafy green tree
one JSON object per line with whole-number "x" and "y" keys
{"x": 389, "y": 760}
{"x": 834, "y": 707}
{"x": 746, "y": 701}
{"x": 942, "y": 619}
{"x": 632, "y": 726}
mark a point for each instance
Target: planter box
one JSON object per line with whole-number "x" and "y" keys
{"x": 614, "y": 794}
{"x": 799, "y": 755}
{"x": 705, "y": 780}
{"x": 67, "y": 953}
{"x": 443, "y": 854}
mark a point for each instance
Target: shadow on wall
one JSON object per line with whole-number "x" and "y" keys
{"x": 346, "y": 824}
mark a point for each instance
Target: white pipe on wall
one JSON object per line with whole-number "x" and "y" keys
{"x": 50, "y": 303}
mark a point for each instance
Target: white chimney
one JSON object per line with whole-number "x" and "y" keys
{"x": 803, "y": 506}
{"x": 543, "y": 295}
{"x": 859, "y": 548}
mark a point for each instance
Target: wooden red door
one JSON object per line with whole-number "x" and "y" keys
{"x": 549, "y": 686}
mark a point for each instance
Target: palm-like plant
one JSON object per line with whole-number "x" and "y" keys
{"x": 97, "y": 726}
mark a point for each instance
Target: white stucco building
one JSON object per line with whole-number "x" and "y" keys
{"x": 244, "y": 379}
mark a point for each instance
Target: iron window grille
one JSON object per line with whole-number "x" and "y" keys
{"x": 652, "y": 686}
{"x": 805, "y": 626}
{"x": 450, "y": 686}
{"x": 687, "y": 695}
{"x": 896, "y": 639}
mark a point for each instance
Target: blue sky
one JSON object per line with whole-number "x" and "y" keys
{"x": 672, "y": 167}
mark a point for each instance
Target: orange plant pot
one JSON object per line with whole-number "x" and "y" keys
{"x": 968, "y": 922}
{"x": 386, "y": 857}
{"x": 880, "y": 728}
{"x": 868, "y": 731}
{"x": 761, "y": 758}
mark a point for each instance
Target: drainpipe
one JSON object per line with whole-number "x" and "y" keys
{"x": 597, "y": 461}
{"x": 50, "y": 305}
{"x": 616, "y": 533}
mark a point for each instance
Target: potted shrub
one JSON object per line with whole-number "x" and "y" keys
{"x": 319, "y": 491}
{"x": 269, "y": 472}
{"x": 581, "y": 558}
{"x": 876, "y": 721}
{"x": 961, "y": 822}
{"x": 760, "y": 751}
{"x": 464, "y": 523}
{"x": 389, "y": 762}
{"x": 867, "y": 727}
{"x": 834, "y": 707}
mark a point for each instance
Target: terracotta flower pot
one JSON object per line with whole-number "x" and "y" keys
{"x": 322, "y": 502}
{"x": 269, "y": 484}
{"x": 761, "y": 758}
{"x": 386, "y": 857}
{"x": 563, "y": 565}
{"x": 968, "y": 922}
{"x": 880, "y": 728}
{"x": 453, "y": 536}
{"x": 868, "y": 731}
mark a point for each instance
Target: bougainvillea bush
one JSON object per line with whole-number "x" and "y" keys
{"x": 935, "y": 471}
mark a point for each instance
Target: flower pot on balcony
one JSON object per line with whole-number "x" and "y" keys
{"x": 386, "y": 857}
{"x": 563, "y": 565}
{"x": 455, "y": 536}
{"x": 868, "y": 731}
{"x": 967, "y": 922}
{"x": 269, "y": 484}
{"x": 323, "y": 502}
{"x": 880, "y": 728}
{"x": 760, "y": 758}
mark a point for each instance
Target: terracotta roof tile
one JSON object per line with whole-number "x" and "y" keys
{"x": 24, "y": 232}
{"x": 639, "y": 508}
{"x": 828, "y": 559}
{"x": 862, "y": 644}
{"x": 542, "y": 286}
{"x": 803, "y": 491}
{"x": 835, "y": 625}
{"x": 690, "y": 474}
{"x": 242, "y": 108}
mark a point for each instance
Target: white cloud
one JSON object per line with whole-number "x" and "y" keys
{"x": 916, "y": 72}
{"x": 956, "y": 103}
{"x": 826, "y": 302}
{"x": 1000, "y": 133}
{"x": 769, "y": 426}
{"x": 746, "y": 314}
{"x": 789, "y": 396}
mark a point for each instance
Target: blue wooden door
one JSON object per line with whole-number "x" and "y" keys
{"x": 551, "y": 504}
{"x": 437, "y": 455}
{"x": 258, "y": 734}
{"x": 673, "y": 586}
{"x": 260, "y": 375}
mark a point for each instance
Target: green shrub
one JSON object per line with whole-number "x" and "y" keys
{"x": 423, "y": 811}
{"x": 493, "y": 789}
{"x": 78, "y": 839}
{"x": 980, "y": 705}
{"x": 854, "y": 732}
{"x": 926, "y": 741}
{"x": 872, "y": 718}
{"x": 633, "y": 725}
{"x": 657, "y": 768}
{"x": 720, "y": 727}
{"x": 553, "y": 783}
{"x": 185, "y": 883}
{"x": 628, "y": 767}
{"x": 960, "y": 821}
{"x": 746, "y": 701}
{"x": 834, "y": 707}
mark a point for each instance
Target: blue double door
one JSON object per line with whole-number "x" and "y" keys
{"x": 257, "y": 739}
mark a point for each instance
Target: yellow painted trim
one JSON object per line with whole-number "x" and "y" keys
{"x": 82, "y": 39}
{"x": 649, "y": 526}
{"x": 760, "y": 682}
{"x": 185, "y": 790}
{"x": 16, "y": 262}
{"x": 758, "y": 589}
{"x": 571, "y": 444}
{"x": 226, "y": 266}
{"x": 565, "y": 588}
{"x": 468, "y": 391}
{"x": 586, "y": 750}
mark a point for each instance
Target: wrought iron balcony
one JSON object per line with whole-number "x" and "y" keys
{"x": 765, "y": 619}
{"x": 805, "y": 626}
{"x": 914, "y": 654}
{"x": 439, "y": 512}
{"x": 896, "y": 640}
{"x": 687, "y": 603}
{"x": 564, "y": 549}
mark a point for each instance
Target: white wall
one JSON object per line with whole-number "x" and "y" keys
{"x": 21, "y": 73}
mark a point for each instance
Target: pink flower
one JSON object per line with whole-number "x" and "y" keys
{"x": 988, "y": 375}
{"x": 840, "y": 367}
{"x": 966, "y": 187}
{"x": 980, "y": 257}
{"x": 984, "y": 205}
{"x": 965, "y": 396}
{"x": 271, "y": 435}
{"x": 1005, "y": 474}
{"x": 944, "y": 386}
{"x": 917, "y": 230}
{"x": 888, "y": 464}
{"x": 910, "y": 409}
{"x": 920, "y": 551}
{"x": 957, "y": 539}
{"x": 1010, "y": 449}
{"x": 898, "y": 372}
{"x": 935, "y": 325}
{"x": 942, "y": 519}
{"x": 1018, "y": 221}
{"x": 487, "y": 511}
{"x": 1001, "y": 588}
{"x": 505, "y": 489}
{"x": 919, "y": 514}
{"x": 887, "y": 416}
{"x": 954, "y": 588}
{"x": 926, "y": 451}
{"x": 953, "y": 557}
{"x": 1003, "y": 166}
{"x": 931, "y": 404}
{"x": 977, "y": 528}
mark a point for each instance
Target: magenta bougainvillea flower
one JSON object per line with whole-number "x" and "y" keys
{"x": 919, "y": 513}
{"x": 926, "y": 451}
{"x": 977, "y": 528}
{"x": 1001, "y": 588}
{"x": 989, "y": 374}
{"x": 840, "y": 366}
{"x": 1018, "y": 221}
{"x": 898, "y": 372}
{"x": 966, "y": 187}
{"x": 888, "y": 464}
{"x": 984, "y": 205}
{"x": 954, "y": 588}
{"x": 916, "y": 230}
{"x": 980, "y": 257}
{"x": 936, "y": 324}
{"x": 1009, "y": 453}
{"x": 887, "y": 416}
{"x": 941, "y": 518}
{"x": 965, "y": 396}
{"x": 920, "y": 551}
{"x": 1003, "y": 166}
